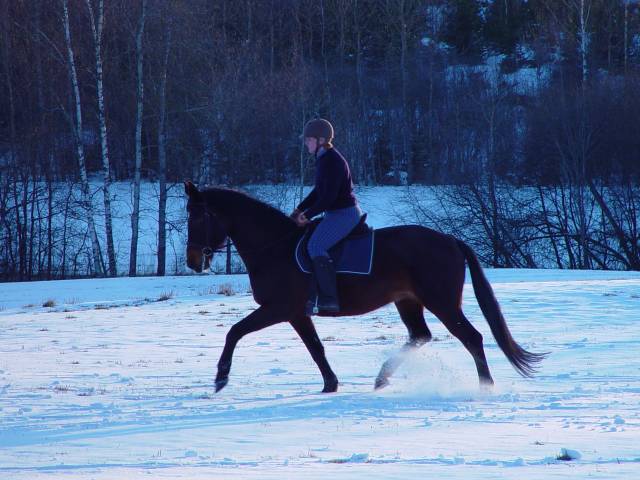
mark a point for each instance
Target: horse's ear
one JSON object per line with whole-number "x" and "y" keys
{"x": 190, "y": 189}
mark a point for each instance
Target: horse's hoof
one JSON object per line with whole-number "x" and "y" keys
{"x": 381, "y": 382}
{"x": 330, "y": 387}
{"x": 221, "y": 383}
{"x": 486, "y": 384}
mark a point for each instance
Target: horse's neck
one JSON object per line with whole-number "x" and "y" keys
{"x": 256, "y": 242}
{"x": 256, "y": 229}
{"x": 249, "y": 236}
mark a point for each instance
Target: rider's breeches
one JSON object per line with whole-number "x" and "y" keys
{"x": 335, "y": 225}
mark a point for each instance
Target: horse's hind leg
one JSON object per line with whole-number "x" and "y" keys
{"x": 456, "y": 322}
{"x": 411, "y": 313}
{"x": 307, "y": 331}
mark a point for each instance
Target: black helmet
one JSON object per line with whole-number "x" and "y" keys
{"x": 318, "y": 128}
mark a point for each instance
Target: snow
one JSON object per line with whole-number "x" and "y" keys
{"x": 523, "y": 81}
{"x": 115, "y": 380}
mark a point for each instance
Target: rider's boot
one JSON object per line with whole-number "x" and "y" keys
{"x": 325, "y": 276}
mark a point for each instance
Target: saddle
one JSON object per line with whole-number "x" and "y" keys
{"x": 353, "y": 254}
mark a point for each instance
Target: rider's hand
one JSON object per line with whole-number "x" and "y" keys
{"x": 301, "y": 219}
{"x": 295, "y": 214}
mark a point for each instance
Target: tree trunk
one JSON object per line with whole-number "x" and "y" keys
{"x": 135, "y": 216}
{"x": 96, "y": 259}
{"x": 96, "y": 30}
{"x": 32, "y": 226}
{"x": 12, "y": 163}
{"x": 271, "y": 39}
{"x": 405, "y": 123}
{"x": 547, "y": 223}
{"x": 368, "y": 163}
{"x": 49, "y": 174}
{"x": 162, "y": 160}
{"x": 64, "y": 230}
{"x": 626, "y": 34}
{"x": 327, "y": 93}
{"x": 50, "y": 191}
{"x": 584, "y": 42}
{"x": 24, "y": 177}
{"x": 302, "y": 154}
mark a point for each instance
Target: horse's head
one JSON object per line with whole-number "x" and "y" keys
{"x": 206, "y": 230}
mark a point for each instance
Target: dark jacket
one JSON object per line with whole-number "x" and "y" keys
{"x": 333, "y": 189}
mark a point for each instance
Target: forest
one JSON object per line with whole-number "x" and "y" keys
{"x": 524, "y": 114}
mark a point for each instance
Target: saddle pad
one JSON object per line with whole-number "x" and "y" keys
{"x": 351, "y": 255}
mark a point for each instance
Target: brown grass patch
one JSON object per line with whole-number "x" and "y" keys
{"x": 226, "y": 289}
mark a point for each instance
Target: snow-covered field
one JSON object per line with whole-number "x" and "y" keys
{"x": 115, "y": 380}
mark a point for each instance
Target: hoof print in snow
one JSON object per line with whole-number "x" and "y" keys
{"x": 355, "y": 458}
{"x": 567, "y": 455}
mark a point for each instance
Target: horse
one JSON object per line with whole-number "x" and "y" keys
{"x": 413, "y": 266}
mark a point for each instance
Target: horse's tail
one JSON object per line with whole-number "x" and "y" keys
{"x": 522, "y": 360}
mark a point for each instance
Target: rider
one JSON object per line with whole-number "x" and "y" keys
{"x": 332, "y": 195}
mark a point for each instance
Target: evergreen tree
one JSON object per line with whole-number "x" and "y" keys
{"x": 464, "y": 27}
{"x": 506, "y": 24}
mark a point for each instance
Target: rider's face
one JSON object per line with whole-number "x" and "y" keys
{"x": 312, "y": 144}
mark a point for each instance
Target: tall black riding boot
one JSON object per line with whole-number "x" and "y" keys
{"x": 325, "y": 274}
{"x": 311, "y": 308}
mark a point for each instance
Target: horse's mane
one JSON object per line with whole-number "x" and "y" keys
{"x": 237, "y": 203}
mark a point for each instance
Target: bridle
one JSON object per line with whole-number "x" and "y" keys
{"x": 205, "y": 249}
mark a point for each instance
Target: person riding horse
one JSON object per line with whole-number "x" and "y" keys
{"x": 332, "y": 196}
{"x": 414, "y": 267}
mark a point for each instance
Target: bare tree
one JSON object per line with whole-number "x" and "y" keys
{"x": 619, "y": 207}
{"x": 585, "y": 11}
{"x": 135, "y": 215}
{"x": 97, "y": 27}
{"x": 11, "y": 166}
{"x": 162, "y": 155}
{"x": 96, "y": 259}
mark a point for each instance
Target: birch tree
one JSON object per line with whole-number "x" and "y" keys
{"x": 96, "y": 259}
{"x": 97, "y": 25}
{"x": 135, "y": 216}
{"x": 573, "y": 16}
{"x": 162, "y": 156}
{"x": 584, "y": 36}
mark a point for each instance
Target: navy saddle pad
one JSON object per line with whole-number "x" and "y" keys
{"x": 354, "y": 254}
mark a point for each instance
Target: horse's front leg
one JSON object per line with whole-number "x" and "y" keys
{"x": 257, "y": 320}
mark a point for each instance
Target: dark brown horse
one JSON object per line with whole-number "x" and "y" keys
{"x": 414, "y": 267}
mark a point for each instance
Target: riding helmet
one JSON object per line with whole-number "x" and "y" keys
{"x": 318, "y": 128}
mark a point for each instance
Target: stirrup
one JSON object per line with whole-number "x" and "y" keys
{"x": 311, "y": 308}
{"x": 328, "y": 305}
{"x": 315, "y": 306}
